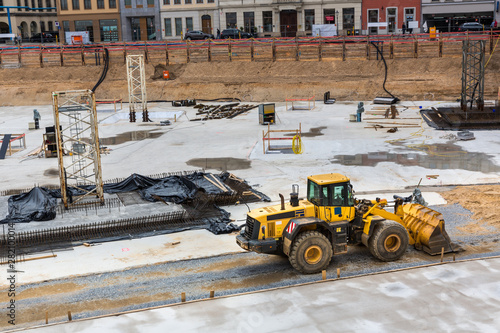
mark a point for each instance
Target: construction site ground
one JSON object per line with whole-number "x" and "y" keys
{"x": 458, "y": 178}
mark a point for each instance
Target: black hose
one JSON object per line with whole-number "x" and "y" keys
{"x": 385, "y": 77}
{"x": 104, "y": 71}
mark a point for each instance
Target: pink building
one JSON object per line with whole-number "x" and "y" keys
{"x": 381, "y": 17}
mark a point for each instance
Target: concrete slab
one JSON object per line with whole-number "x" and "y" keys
{"x": 460, "y": 296}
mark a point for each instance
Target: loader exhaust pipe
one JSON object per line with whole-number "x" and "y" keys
{"x": 282, "y": 201}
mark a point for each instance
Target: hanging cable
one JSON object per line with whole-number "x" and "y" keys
{"x": 385, "y": 65}
{"x": 104, "y": 71}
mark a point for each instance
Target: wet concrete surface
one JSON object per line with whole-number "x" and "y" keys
{"x": 220, "y": 163}
{"x": 313, "y": 132}
{"x": 130, "y": 136}
{"x": 434, "y": 156}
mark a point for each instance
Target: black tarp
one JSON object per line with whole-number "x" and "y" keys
{"x": 36, "y": 205}
{"x": 174, "y": 189}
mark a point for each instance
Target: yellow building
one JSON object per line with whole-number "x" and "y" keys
{"x": 26, "y": 22}
{"x": 101, "y": 18}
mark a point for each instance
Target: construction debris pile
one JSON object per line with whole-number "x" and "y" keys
{"x": 207, "y": 112}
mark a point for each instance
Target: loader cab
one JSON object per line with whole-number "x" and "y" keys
{"x": 332, "y": 197}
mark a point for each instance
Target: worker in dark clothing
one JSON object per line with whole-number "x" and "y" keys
{"x": 403, "y": 27}
{"x": 36, "y": 117}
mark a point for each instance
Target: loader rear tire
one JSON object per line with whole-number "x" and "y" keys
{"x": 389, "y": 241}
{"x": 311, "y": 252}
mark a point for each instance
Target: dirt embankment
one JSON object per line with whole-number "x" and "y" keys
{"x": 408, "y": 79}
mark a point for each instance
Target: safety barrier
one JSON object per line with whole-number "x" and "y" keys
{"x": 294, "y": 136}
{"x": 261, "y": 49}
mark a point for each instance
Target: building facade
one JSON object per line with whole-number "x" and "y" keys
{"x": 382, "y": 17}
{"x": 140, "y": 20}
{"x": 179, "y": 16}
{"x": 448, "y": 15}
{"x": 26, "y": 22}
{"x": 101, "y": 18}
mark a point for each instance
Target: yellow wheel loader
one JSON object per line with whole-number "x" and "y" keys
{"x": 311, "y": 231}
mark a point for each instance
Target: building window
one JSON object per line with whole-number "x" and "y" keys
{"x": 33, "y": 4}
{"x": 27, "y": 4}
{"x": 87, "y": 4}
{"x": 75, "y": 4}
{"x": 65, "y": 25}
{"x": 166, "y": 2}
{"x": 230, "y": 20}
{"x": 309, "y": 18}
{"x": 329, "y": 15}
{"x": 187, "y": 2}
{"x": 138, "y": 4}
{"x": 40, "y": 5}
{"x": 18, "y": 4}
{"x": 109, "y": 30}
{"x": 392, "y": 14}
{"x": 210, "y": 1}
{"x": 267, "y": 21}
{"x": 168, "y": 27}
{"x": 128, "y": 3}
{"x": 177, "y": 2}
{"x": 151, "y": 3}
{"x": 51, "y": 26}
{"x": 373, "y": 18}
{"x": 189, "y": 23}
{"x": 249, "y": 21}
{"x": 112, "y": 3}
{"x": 348, "y": 18}
{"x": 178, "y": 26}
{"x": 48, "y": 4}
{"x": 100, "y": 4}
{"x": 199, "y": 1}
{"x": 42, "y": 26}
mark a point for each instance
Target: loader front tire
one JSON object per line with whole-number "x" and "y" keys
{"x": 311, "y": 252}
{"x": 389, "y": 241}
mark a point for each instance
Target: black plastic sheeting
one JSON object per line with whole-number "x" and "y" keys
{"x": 40, "y": 203}
{"x": 36, "y": 205}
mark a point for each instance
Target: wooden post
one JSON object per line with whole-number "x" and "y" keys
{"x": 368, "y": 55}
{"x": 166, "y": 53}
{"x": 296, "y": 48}
{"x": 62, "y": 55}
{"x": 212, "y": 293}
{"x": 209, "y": 51}
{"x": 83, "y": 56}
{"x": 343, "y": 49}
{"x": 41, "y": 56}
{"x": 440, "y": 46}
{"x": 251, "y": 50}
{"x": 391, "y": 50}
{"x": 46, "y": 317}
{"x": 187, "y": 51}
{"x": 263, "y": 142}
{"x": 491, "y": 40}
{"x": 274, "y": 50}
{"x": 442, "y": 254}
{"x": 146, "y": 53}
{"x": 0, "y": 56}
{"x": 453, "y": 256}
{"x": 320, "y": 49}
{"x": 124, "y": 53}
{"x": 338, "y": 273}
{"x": 415, "y": 48}
{"x": 229, "y": 50}
{"x": 323, "y": 275}
{"x": 183, "y": 297}
{"x": 69, "y": 316}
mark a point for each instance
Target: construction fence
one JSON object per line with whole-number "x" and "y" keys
{"x": 263, "y": 49}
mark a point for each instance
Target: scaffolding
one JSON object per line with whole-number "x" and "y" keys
{"x": 137, "y": 97}
{"x": 472, "y": 75}
{"x": 75, "y": 119}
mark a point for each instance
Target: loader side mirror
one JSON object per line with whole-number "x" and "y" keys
{"x": 263, "y": 232}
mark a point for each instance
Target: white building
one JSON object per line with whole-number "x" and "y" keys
{"x": 267, "y": 18}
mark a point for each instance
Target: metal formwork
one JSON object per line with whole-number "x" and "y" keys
{"x": 472, "y": 75}
{"x": 75, "y": 119}
{"x": 137, "y": 97}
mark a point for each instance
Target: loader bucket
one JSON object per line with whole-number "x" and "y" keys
{"x": 426, "y": 227}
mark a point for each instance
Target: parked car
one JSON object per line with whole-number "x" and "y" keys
{"x": 43, "y": 38}
{"x": 235, "y": 34}
{"x": 197, "y": 35}
{"x": 471, "y": 26}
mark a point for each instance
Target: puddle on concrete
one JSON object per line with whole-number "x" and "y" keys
{"x": 313, "y": 132}
{"x": 129, "y": 136}
{"x": 437, "y": 156}
{"x": 220, "y": 163}
{"x": 52, "y": 172}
